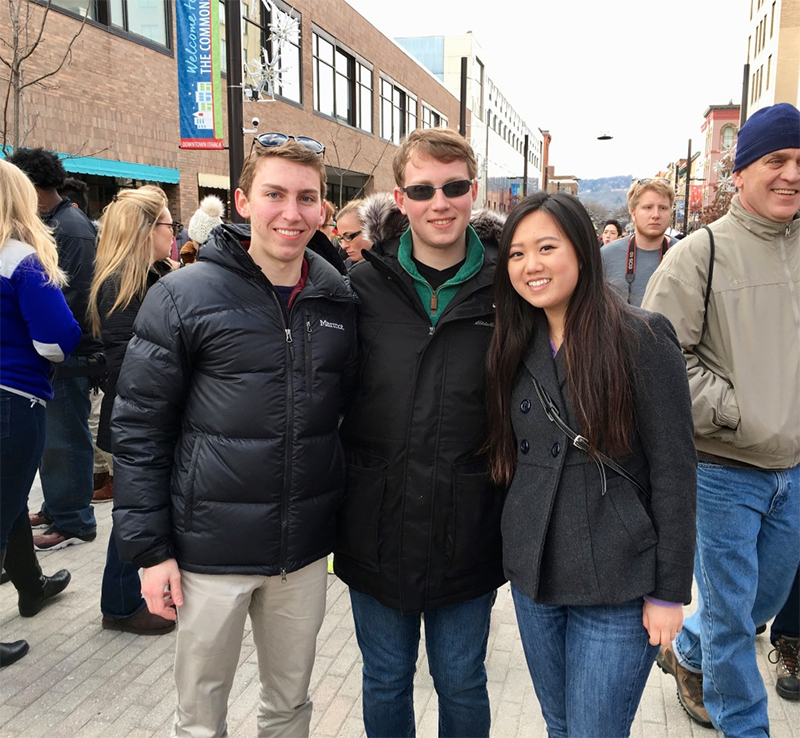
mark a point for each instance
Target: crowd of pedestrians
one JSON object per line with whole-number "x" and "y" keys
{"x": 451, "y": 400}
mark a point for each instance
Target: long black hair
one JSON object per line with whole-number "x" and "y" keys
{"x": 597, "y": 342}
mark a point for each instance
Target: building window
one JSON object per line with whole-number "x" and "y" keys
{"x": 147, "y": 19}
{"x": 769, "y": 68}
{"x": 431, "y": 118}
{"x": 259, "y": 25}
{"x": 342, "y": 84}
{"x": 479, "y": 73}
{"x": 398, "y": 111}
{"x": 727, "y": 137}
{"x": 772, "y": 21}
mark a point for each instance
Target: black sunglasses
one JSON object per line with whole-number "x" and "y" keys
{"x": 652, "y": 179}
{"x": 426, "y": 192}
{"x": 269, "y": 140}
{"x": 176, "y": 227}
{"x": 350, "y": 236}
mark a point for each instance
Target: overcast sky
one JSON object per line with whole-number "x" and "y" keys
{"x": 643, "y": 71}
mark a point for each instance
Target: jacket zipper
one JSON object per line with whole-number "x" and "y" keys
{"x": 308, "y": 353}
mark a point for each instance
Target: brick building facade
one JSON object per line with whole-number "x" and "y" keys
{"x": 113, "y": 107}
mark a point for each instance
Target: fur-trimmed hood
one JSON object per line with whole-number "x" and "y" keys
{"x": 382, "y": 220}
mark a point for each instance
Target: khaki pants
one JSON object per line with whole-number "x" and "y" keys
{"x": 286, "y": 617}
{"x": 103, "y": 461}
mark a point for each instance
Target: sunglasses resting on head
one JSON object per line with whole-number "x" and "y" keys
{"x": 268, "y": 140}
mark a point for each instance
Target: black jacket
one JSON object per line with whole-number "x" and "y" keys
{"x": 565, "y": 542}
{"x": 116, "y": 332}
{"x": 76, "y": 240}
{"x": 226, "y": 452}
{"x": 420, "y": 525}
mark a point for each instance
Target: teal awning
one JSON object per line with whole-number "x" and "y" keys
{"x": 123, "y": 169}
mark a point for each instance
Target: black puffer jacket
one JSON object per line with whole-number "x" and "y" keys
{"x": 420, "y": 525}
{"x": 116, "y": 332}
{"x": 227, "y": 456}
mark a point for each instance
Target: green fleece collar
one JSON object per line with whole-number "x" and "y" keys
{"x": 435, "y": 301}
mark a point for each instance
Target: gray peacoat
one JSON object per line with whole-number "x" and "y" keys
{"x": 566, "y": 541}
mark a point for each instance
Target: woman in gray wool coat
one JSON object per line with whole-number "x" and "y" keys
{"x": 598, "y": 534}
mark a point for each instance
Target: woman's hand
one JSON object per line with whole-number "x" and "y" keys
{"x": 662, "y": 623}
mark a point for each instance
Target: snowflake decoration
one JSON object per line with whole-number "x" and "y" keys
{"x": 266, "y": 74}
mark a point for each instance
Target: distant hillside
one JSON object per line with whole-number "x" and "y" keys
{"x": 609, "y": 192}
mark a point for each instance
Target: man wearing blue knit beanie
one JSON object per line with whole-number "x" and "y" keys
{"x": 732, "y": 291}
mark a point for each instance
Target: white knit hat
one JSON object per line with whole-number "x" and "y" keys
{"x": 207, "y": 216}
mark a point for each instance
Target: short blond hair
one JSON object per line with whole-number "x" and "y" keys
{"x": 292, "y": 151}
{"x": 19, "y": 219}
{"x": 354, "y": 206}
{"x": 442, "y": 144}
{"x": 638, "y": 188}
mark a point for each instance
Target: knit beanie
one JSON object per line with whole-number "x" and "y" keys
{"x": 769, "y": 129}
{"x": 207, "y": 216}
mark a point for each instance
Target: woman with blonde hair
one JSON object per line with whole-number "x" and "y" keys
{"x": 36, "y": 328}
{"x": 136, "y": 232}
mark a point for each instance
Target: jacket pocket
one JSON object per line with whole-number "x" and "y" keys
{"x": 359, "y": 517}
{"x": 473, "y": 541}
{"x": 188, "y": 499}
{"x": 632, "y": 515}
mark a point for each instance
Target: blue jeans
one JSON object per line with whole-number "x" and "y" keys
{"x": 455, "y": 638}
{"x": 67, "y": 466}
{"x": 22, "y": 434}
{"x": 787, "y": 621}
{"x": 748, "y": 547}
{"x": 121, "y": 595}
{"x": 589, "y": 664}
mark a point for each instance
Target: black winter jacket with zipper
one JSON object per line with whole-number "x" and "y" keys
{"x": 227, "y": 456}
{"x": 420, "y": 524}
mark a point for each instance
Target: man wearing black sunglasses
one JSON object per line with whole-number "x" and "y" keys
{"x": 419, "y": 531}
{"x": 228, "y": 466}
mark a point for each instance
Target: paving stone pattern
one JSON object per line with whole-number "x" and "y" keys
{"x": 80, "y": 680}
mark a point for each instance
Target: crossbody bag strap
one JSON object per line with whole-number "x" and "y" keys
{"x": 707, "y": 296}
{"x": 581, "y": 442}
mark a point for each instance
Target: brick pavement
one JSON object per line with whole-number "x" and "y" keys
{"x": 80, "y": 680}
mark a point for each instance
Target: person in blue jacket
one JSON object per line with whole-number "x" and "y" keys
{"x": 36, "y": 329}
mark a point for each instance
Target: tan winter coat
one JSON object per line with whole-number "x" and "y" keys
{"x": 744, "y": 371}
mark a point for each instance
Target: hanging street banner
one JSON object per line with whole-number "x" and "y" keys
{"x": 199, "y": 87}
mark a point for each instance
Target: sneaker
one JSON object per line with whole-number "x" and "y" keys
{"x": 39, "y": 521}
{"x": 761, "y": 629}
{"x": 104, "y": 493}
{"x": 785, "y": 656}
{"x": 690, "y": 686}
{"x": 143, "y": 622}
{"x": 52, "y": 539}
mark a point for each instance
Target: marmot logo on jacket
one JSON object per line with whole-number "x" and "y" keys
{"x": 327, "y": 324}
{"x": 485, "y": 323}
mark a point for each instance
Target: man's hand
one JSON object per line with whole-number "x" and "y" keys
{"x": 161, "y": 589}
{"x": 662, "y": 623}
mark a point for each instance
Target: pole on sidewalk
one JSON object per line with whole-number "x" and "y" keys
{"x": 233, "y": 56}
{"x": 686, "y": 191}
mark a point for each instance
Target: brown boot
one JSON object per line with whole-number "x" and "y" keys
{"x": 100, "y": 478}
{"x": 785, "y": 656}
{"x": 690, "y": 686}
{"x": 106, "y": 492}
{"x": 142, "y": 622}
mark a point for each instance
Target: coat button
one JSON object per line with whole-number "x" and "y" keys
{"x": 556, "y": 450}
{"x": 525, "y": 405}
{"x": 524, "y": 446}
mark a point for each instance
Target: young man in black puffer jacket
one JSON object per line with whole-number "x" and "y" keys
{"x": 228, "y": 467}
{"x": 419, "y": 530}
